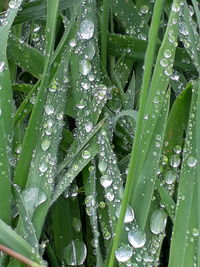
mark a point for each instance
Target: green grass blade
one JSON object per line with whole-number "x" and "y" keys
{"x": 36, "y": 118}
{"x": 6, "y": 118}
{"x": 185, "y": 207}
{"x": 12, "y": 240}
{"x": 129, "y": 182}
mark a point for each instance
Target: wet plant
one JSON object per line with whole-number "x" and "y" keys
{"x": 99, "y": 133}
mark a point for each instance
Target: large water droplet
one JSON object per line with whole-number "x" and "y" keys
{"x": 86, "y": 29}
{"x": 137, "y": 238}
{"x": 14, "y": 4}
{"x": 191, "y": 161}
{"x": 33, "y": 197}
{"x": 45, "y": 144}
{"x": 75, "y": 253}
{"x": 175, "y": 161}
{"x": 158, "y": 221}
{"x": 49, "y": 109}
{"x": 102, "y": 166}
{"x": 106, "y": 180}
{"x": 176, "y": 7}
{"x": 170, "y": 177}
{"x": 43, "y": 167}
{"x": 90, "y": 50}
{"x": 84, "y": 66}
{"x": 88, "y": 127}
{"x": 129, "y": 215}
{"x": 86, "y": 154}
{"x": 124, "y": 253}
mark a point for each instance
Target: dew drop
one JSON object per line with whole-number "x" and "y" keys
{"x": 164, "y": 62}
{"x": 167, "y": 53}
{"x": 49, "y": 109}
{"x": 158, "y": 221}
{"x": 144, "y": 9}
{"x": 75, "y": 253}
{"x": 102, "y": 166}
{"x": 137, "y": 238}
{"x": 191, "y": 161}
{"x": 106, "y": 180}
{"x": 14, "y": 4}
{"x": 86, "y": 154}
{"x": 175, "y": 7}
{"x": 88, "y": 127}
{"x": 177, "y": 149}
{"x": 45, "y": 144}
{"x": 86, "y": 29}
{"x": 76, "y": 223}
{"x": 43, "y": 167}
{"x": 170, "y": 177}
{"x": 175, "y": 161}
{"x": 124, "y": 253}
{"x": 2, "y": 66}
{"x": 84, "y": 67}
{"x": 129, "y": 215}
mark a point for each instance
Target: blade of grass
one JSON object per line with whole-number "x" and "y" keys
{"x": 148, "y": 68}
{"x": 184, "y": 207}
{"x": 6, "y": 118}
{"x": 32, "y": 132}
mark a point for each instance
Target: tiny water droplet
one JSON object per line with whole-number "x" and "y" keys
{"x": 175, "y": 161}
{"x": 176, "y": 7}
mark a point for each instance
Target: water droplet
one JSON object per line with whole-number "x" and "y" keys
{"x": 33, "y": 197}
{"x": 168, "y": 71}
{"x": 158, "y": 221}
{"x": 110, "y": 196}
{"x": 88, "y": 127}
{"x": 191, "y": 161}
{"x": 137, "y": 238}
{"x": 102, "y": 166}
{"x": 106, "y": 180}
{"x": 84, "y": 66}
{"x": 144, "y": 9}
{"x": 14, "y": 4}
{"x": 129, "y": 215}
{"x": 175, "y": 7}
{"x": 45, "y": 144}
{"x": 43, "y": 167}
{"x": 49, "y": 109}
{"x": 76, "y": 223}
{"x": 124, "y": 253}
{"x": 75, "y": 253}
{"x": 86, "y": 29}
{"x": 2, "y": 66}
{"x": 195, "y": 232}
{"x": 90, "y": 50}
{"x": 86, "y": 154}
{"x": 164, "y": 62}
{"x": 170, "y": 177}
{"x": 177, "y": 149}
{"x": 167, "y": 53}
{"x": 72, "y": 42}
{"x": 175, "y": 161}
